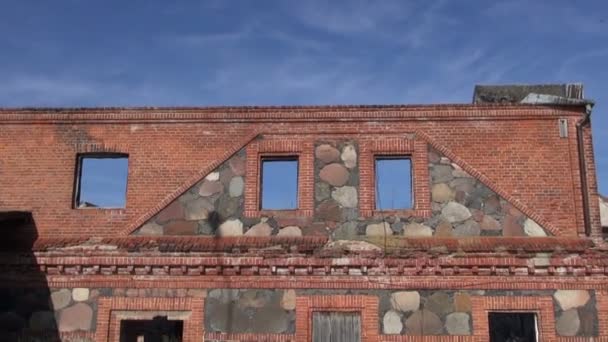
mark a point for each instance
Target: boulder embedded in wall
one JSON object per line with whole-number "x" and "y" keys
{"x": 61, "y": 299}
{"x": 378, "y": 229}
{"x": 416, "y": 230}
{"x": 237, "y": 184}
{"x": 209, "y": 188}
{"x": 568, "y": 323}
{"x": 391, "y": 323}
{"x": 327, "y": 153}
{"x": 512, "y": 227}
{"x": 570, "y": 299}
{"x": 441, "y": 173}
{"x": 328, "y": 211}
{"x": 349, "y": 156}
{"x": 231, "y": 228}
{"x": 260, "y": 229}
{"x": 150, "y": 228}
{"x": 531, "y": 228}
{"x": 198, "y": 209}
{"x": 442, "y": 193}
{"x": 80, "y": 294}
{"x": 213, "y": 176}
{"x": 405, "y": 301}
{"x": 440, "y": 303}
{"x": 455, "y": 212}
{"x": 443, "y": 229}
{"x": 290, "y": 231}
{"x": 346, "y": 196}
{"x": 181, "y": 228}
{"x": 423, "y": 322}
{"x": 353, "y": 246}
{"x": 458, "y": 323}
{"x": 462, "y": 302}
{"x": 42, "y": 321}
{"x": 76, "y": 317}
{"x": 468, "y": 228}
{"x": 335, "y": 174}
{"x": 288, "y": 301}
{"x": 489, "y": 223}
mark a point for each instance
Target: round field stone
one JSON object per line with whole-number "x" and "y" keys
{"x": 455, "y": 212}
{"x": 292, "y": 231}
{"x": 346, "y": 196}
{"x": 458, "y": 323}
{"x": 335, "y": 174}
{"x": 76, "y": 317}
{"x": 405, "y": 301}
{"x": 417, "y": 230}
{"x": 288, "y": 301}
{"x": 349, "y": 156}
{"x": 260, "y": 229}
{"x": 378, "y": 229}
{"x": 531, "y": 228}
{"x": 568, "y": 323}
{"x": 80, "y": 294}
{"x": 391, "y": 323}
{"x": 210, "y": 188}
{"x": 441, "y": 193}
{"x": 150, "y": 228}
{"x": 570, "y": 299}
{"x": 327, "y": 153}
{"x": 61, "y": 299}
{"x": 423, "y": 322}
{"x": 231, "y": 228}
{"x": 237, "y": 184}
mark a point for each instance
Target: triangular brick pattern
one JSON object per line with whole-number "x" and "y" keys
{"x": 464, "y": 206}
{"x": 461, "y": 206}
{"x": 216, "y": 199}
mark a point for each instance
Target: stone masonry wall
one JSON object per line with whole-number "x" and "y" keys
{"x": 422, "y": 312}
{"x": 461, "y": 204}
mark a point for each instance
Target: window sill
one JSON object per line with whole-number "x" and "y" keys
{"x": 287, "y": 213}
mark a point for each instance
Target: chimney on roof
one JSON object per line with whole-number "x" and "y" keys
{"x": 569, "y": 93}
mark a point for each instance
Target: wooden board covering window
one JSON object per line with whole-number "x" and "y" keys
{"x": 336, "y": 327}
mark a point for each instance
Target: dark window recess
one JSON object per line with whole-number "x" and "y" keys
{"x": 336, "y": 327}
{"x": 101, "y": 181}
{"x": 393, "y": 183}
{"x": 279, "y": 183}
{"x": 158, "y": 329}
{"x": 512, "y": 327}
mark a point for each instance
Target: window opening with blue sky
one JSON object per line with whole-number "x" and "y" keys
{"x": 279, "y": 189}
{"x": 102, "y": 181}
{"x": 393, "y": 183}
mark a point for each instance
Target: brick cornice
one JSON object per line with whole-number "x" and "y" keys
{"x": 287, "y": 114}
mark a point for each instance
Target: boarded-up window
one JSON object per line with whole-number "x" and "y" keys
{"x": 336, "y": 327}
{"x": 513, "y": 327}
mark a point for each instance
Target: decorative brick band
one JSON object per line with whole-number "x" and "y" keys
{"x": 285, "y": 113}
{"x": 189, "y": 183}
{"x": 276, "y": 146}
{"x": 395, "y": 145}
{"x": 249, "y": 337}
{"x": 108, "y": 323}
{"x": 367, "y": 306}
{"x": 489, "y": 183}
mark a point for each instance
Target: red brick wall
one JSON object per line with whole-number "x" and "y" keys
{"x": 517, "y": 147}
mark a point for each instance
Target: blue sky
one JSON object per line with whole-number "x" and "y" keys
{"x": 130, "y": 53}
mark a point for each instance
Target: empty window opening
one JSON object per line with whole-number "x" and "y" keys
{"x": 513, "y": 327}
{"x": 158, "y": 329}
{"x": 393, "y": 183}
{"x": 101, "y": 181}
{"x": 279, "y": 188}
{"x": 336, "y": 327}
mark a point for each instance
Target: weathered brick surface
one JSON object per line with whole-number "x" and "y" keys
{"x": 516, "y": 147}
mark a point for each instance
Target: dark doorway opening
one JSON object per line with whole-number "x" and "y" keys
{"x": 158, "y": 329}
{"x": 513, "y": 327}
{"x": 336, "y": 327}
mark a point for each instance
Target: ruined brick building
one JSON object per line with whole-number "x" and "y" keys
{"x": 498, "y": 233}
